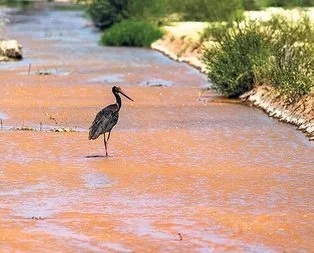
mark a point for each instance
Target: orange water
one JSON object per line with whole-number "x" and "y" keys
{"x": 223, "y": 175}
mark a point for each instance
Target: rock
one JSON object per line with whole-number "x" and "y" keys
{"x": 10, "y": 50}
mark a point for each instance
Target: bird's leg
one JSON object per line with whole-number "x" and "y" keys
{"x": 108, "y": 135}
{"x": 105, "y": 143}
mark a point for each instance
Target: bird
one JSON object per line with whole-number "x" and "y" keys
{"x": 107, "y": 118}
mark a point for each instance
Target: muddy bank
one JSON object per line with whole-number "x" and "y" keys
{"x": 182, "y": 42}
{"x": 275, "y": 105}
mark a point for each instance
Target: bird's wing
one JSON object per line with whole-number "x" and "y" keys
{"x": 102, "y": 121}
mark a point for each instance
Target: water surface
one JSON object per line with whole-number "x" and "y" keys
{"x": 223, "y": 175}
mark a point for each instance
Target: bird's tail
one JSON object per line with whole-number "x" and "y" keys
{"x": 90, "y": 134}
{"x": 93, "y": 133}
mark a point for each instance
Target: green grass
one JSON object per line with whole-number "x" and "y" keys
{"x": 131, "y": 33}
{"x": 277, "y": 52}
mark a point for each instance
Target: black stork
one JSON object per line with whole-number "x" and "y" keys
{"x": 107, "y": 118}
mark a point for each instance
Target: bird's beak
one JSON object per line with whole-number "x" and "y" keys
{"x": 126, "y": 95}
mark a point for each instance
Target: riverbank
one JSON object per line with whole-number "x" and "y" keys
{"x": 183, "y": 42}
{"x": 275, "y": 105}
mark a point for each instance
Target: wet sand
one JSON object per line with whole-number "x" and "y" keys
{"x": 223, "y": 175}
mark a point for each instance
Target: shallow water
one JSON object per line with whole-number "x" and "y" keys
{"x": 223, "y": 175}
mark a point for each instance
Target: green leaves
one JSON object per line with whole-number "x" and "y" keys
{"x": 276, "y": 52}
{"x": 131, "y": 33}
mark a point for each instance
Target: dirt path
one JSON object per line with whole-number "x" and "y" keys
{"x": 223, "y": 175}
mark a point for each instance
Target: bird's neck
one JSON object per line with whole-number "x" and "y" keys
{"x": 118, "y": 100}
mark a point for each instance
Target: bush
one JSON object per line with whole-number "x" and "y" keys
{"x": 277, "y": 52}
{"x": 105, "y": 13}
{"x": 22, "y": 4}
{"x": 149, "y": 9}
{"x": 255, "y": 4}
{"x": 232, "y": 62}
{"x": 131, "y": 33}
{"x": 291, "y": 67}
{"x": 208, "y": 10}
{"x": 290, "y": 3}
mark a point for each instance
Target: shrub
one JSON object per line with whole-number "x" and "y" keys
{"x": 232, "y": 62}
{"x": 105, "y": 13}
{"x": 208, "y": 10}
{"x": 255, "y": 4}
{"x": 148, "y": 9}
{"x": 290, "y": 3}
{"x": 277, "y": 52}
{"x": 22, "y": 4}
{"x": 291, "y": 67}
{"x": 131, "y": 33}
{"x": 215, "y": 30}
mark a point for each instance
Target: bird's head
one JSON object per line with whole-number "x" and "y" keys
{"x": 117, "y": 89}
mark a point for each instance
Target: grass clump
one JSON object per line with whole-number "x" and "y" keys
{"x": 278, "y": 52}
{"x": 131, "y": 33}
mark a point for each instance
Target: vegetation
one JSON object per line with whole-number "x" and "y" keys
{"x": 22, "y": 4}
{"x": 259, "y": 4}
{"x": 105, "y": 13}
{"x": 131, "y": 33}
{"x": 208, "y": 10}
{"x": 277, "y": 52}
{"x": 290, "y": 3}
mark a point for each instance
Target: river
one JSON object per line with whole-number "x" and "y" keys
{"x": 223, "y": 175}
